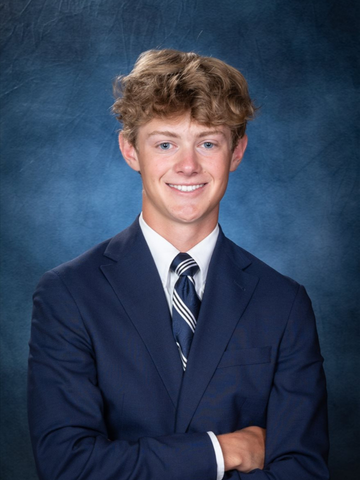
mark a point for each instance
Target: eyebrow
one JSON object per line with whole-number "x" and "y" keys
{"x": 168, "y": 133}
{"x": 212, "y": 132}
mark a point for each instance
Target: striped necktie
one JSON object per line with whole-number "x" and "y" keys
{"x": 186, "y": 304}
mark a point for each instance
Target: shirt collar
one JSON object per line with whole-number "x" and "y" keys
{"x": 163, "y": 252}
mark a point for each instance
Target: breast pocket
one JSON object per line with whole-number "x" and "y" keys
{"x": 245, "y": 356}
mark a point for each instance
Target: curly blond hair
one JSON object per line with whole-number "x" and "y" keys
{"x": 167, "y": 83}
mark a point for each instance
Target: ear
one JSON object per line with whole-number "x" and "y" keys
{"x": 129, "y": 153}
{"x": 238, "y": 153}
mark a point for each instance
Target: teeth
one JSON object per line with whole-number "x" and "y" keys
{"x": 187, "y": 188}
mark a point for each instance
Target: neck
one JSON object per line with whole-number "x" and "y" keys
{"x": 183, "y": 236}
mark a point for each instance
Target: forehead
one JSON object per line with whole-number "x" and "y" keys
{"x": 180, "y": 125}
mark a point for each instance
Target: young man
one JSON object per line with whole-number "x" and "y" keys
{"x": 168, "y": 352}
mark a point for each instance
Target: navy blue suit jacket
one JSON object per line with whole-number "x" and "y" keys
{"x": 107, "y": 396}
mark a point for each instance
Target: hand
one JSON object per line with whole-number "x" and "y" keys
{"x": 243, "y": 450}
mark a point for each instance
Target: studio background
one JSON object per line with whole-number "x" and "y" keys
{"x": 292, "y": 202}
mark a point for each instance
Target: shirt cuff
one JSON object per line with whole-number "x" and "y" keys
{"x": 219, "y": 456}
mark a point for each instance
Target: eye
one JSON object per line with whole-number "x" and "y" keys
{"x": 208, "y": 145}
{"x": 165, "y": 146}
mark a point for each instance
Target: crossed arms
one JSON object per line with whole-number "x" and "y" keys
{"x": 70, "y": 417}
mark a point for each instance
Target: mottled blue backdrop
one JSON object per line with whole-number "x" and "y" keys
{"x": 292, "y": 202}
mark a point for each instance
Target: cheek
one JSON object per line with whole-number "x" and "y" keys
{"x": 221, "y": 174}
{"x": 155, "y": 169}
{"x": 219, "y": 166}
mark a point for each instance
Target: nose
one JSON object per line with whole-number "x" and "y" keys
{"x": 188, "y": 163}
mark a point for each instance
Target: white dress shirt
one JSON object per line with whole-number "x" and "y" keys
{"x": 163, "y": 253}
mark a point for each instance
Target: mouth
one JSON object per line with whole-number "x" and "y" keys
{"x": 186, "y": 188}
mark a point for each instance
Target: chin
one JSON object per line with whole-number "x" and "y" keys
{"x": 186, "y": 217}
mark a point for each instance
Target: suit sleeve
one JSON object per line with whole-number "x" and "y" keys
{"x": 296, "y": 429}
{"x": 66, "y": 411}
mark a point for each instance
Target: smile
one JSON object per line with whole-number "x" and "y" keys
{"x": 186, "y": 188}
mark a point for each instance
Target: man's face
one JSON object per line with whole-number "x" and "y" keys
{"x": 184, "y": 167}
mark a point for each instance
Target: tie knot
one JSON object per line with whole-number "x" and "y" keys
{"x": 184, "y": 264}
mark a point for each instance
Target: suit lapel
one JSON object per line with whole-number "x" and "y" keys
{"x": 137, "y": 284}
{"x": 227, "y": 293}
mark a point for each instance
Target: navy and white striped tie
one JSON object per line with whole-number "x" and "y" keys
{"x": 186, "y": 304}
